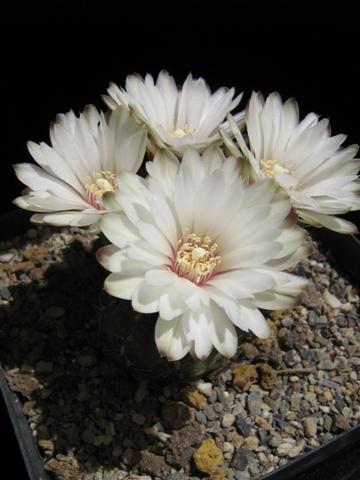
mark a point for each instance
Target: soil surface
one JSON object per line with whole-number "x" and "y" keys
{"x": 69, "y": 350}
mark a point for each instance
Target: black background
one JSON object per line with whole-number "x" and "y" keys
{"x": 61, "y": 57}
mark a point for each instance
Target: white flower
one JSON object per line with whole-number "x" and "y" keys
{"x": 176, "y": 118}
{"x": 203, "y": 250}
{"x": 87, "y": 154}
{"x": 319, "y": 176}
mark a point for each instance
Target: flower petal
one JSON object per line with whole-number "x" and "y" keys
{"x": 329, "y": 221}
{"x": 118, "y": 229}
{"x": 59, "y": 219}
{"x": 254, "y": 320}
{"x": 146, "y": 298}
{"x": 282, "y": 296}
{"x": 122, "y": 286}
{"x": 223, "y": 333}
{"x": 170, "y": 339}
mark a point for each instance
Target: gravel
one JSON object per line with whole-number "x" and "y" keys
{"x": 93, "y": 415}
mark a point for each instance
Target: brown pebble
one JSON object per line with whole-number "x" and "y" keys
{"x": 21, "y": 267}
{"x": 263, "y": 423}
{"x": 342, "y": 423}
{"x": 251, "y": 443}
{"x": 208, "y": 457}
{"x": 220, "y": 473}
{"x": 310, "y": 427}
{"x": 249, "y": 350}
{"x": 64, "y": 466}
{"x": 195, "y": 398}
{"x": 244, "y": 376}
{"x": 268, "y": 376}
{"x": 176, "y": 414}
{"x": 36, "y": 253}
{"x": 28, "y": 408}
{"x": 153, "y": 464}
{"x": 327, "y": 395}
{"x": 311, "y": 298}
{"x": 181, "y": 444}
{"x": 37, "y": 274}
{"x": 22, "y": 382}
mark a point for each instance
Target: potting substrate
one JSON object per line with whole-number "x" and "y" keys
{"x": 93, "y": 416}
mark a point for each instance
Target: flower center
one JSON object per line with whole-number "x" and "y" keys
{"x": 97, "y": 185}
{"x": 178, "y": 132}
{"x": 196, "y": 259}
{"x": 273, "y": 168}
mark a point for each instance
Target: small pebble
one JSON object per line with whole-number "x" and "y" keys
{"x": 355, "y": 361}
{"x": 205, "y": 388}
{"x": 227, "y": 420}
{"x": 285, "y": 449}
{"x": 201, "y": 417}
{"x": 244, "y": 376}
{"x": 243, "y": 426}
{"x": 240, "y": 459}
{"x": 331, "y": 300}
{"x": 292, "y": 358}
{"x": 250, "y": 351}
{"x": 228, "y": 447}
{"x": 195, "y": 399}
{"x": 326, "y": 364}
{"x": 208, "y": 456}
{"x": 341, "y": 422}
{"x": 287, "y": 322}
{"x": 310, "y": 427}
{"x": 138, "y": 419}
{"x": 327, "y": 423}
{"x": 242, "y": 475}
{"x": 251, "y": 443}
{"x": 44, "y": 367}
{"x": 263, "y": 423}
{"x": 346, "y": 307}
{"x": 254, "y": 403}
{"x": 5, "y": 293}
{"x": 32, "y": 233}
{"x": 6, "y": 257}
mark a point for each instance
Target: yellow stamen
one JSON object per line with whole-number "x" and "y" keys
{"x": 273, "y": 168}
{"x": 98, "y": 184}
{"x": 178, "y": 132}
{"x": 196, "y": 259}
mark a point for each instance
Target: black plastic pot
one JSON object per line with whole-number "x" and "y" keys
{"x": 346, "y": 252}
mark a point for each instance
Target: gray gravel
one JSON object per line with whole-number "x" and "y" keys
{"x": 92, "y": 417}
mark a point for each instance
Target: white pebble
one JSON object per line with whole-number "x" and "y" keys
{"x": 205, "y": 388}
{"x": 6, "y": 257}
{"x": 227, "y": 420}
{"x": 228, "y": 447}
{"x": 157, "y": 431}
{"x": 331, "y": 300}
{"x": 346, "y": 307}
